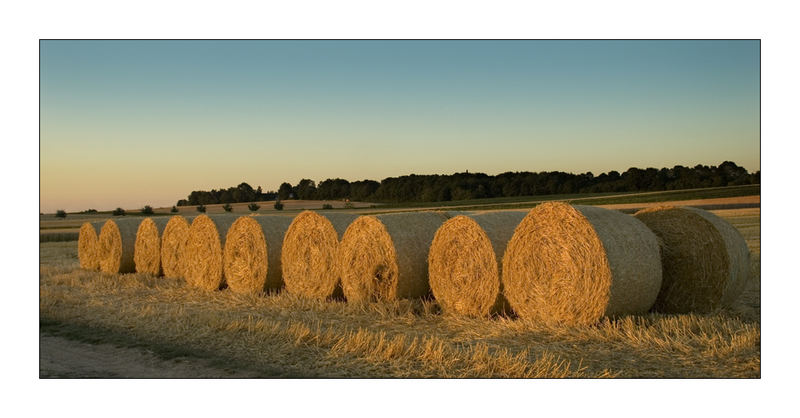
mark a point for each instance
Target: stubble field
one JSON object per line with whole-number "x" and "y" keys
{"x": 155, "y": 327}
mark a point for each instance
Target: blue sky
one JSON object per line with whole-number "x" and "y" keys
{"x": 129, "y": 123}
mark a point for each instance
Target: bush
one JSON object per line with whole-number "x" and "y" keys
{"x": 174, "y": 209}
{"x": 90, "y": 211}
{"x": 253, "y": 207}
{"x": 327, "y": 206}
{"x": 348, "y": 205}
{"x": 201, "y": 208}
{"x": 147, "y": 210}
{"x": 118, "y": 212}
{"x": 227, "y": 207}
{"x": 61, "y": 213}
{"x": 278, "y": 205}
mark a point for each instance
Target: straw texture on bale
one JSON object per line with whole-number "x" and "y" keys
{"x": 574, "y": 264}
{"x": 202, "y": 256}
{"x": 705, "y": 260}
{"x": 173, "y": 244}
{"x": 385, "y": 257}
{"x": 116, "y": 245}
{"x": 252, "y": 259}
{"x": 147, "y": 249}
{"x": 308, "y": 254}
{"x": 464, "y": 262}
{"x": 88, "y": 245}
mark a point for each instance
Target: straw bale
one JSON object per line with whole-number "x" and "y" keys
{"x": 88, "y": 245}
{"x": 173, "y": 244}
{"x": 116, "y": 242}
{"x": 705, "y": 259}
{"x": 308, "y": 254}
{"x": 202, "y": 256}
{"x": 252, "y": 259}
{"x": 385, "y": 257}
{"x": 147, "y": 249}
{"x": 574, "y": 264}
{"x": 465, "y": 259}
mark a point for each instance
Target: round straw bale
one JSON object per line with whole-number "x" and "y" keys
{"x": 173, "y": 243}
{"x": 147, "y": 249}
{"x": 88, "y": 245}
{"x": 706, "y": 261}
{"x": 308, "y": 254}
{"x": 385, "y": 257}
{"x": 202, "y": 256}
{"x": 116, "y": 242}
{"x": 252, "y": 259}
{"x": 464, "y": 261}
{"x": 573, "y": 264}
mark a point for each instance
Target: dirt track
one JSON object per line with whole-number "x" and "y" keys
{"x": 63, "y": 358}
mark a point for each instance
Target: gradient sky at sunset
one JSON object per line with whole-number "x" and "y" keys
{"x": 129, "y": 123}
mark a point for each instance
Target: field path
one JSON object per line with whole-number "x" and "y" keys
{"x": 64, "y": 358}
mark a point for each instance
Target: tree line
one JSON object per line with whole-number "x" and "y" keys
{"x": 465, "y": 186}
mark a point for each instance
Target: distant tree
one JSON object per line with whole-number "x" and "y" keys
{"x": 87, "y": 211}
{"x": 327, "y": 206}
{"x": 278, "y": 205}
{"x": 201, "y": 208}
{"x": 306, "y": 189}
{"x": 174, "y": 209}
{"x": 147, "y": 210}
{"x": 253, "y": 207}
{"x": 61, "y": 213}
{"x": 183, "y": 202}
{"x": 118, "y": 212}
{"x": 227, "y": 207}
{"x": 284, "y": 191}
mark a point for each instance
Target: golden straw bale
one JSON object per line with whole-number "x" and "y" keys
{"x": 88, "y": 245}
{"x": 252, "y": 259}
{"x": 574, "y": 264}
{"x": 385, "y": 257}
{"x": 173, "y": 244}
{"x": 147, "y": 249}
{"x": 116, "y": 242}
{"x": 308, "y": 254}
{"x": 705, "y": 259}
{"x": 202, "y": 256}
{"x": 465, "y": 259}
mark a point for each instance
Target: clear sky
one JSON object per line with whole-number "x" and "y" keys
{"x": 129, "y": 123}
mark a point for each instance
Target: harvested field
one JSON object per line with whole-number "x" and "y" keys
{"x": 280, "y": 335}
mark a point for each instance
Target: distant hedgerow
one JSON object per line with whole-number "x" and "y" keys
{"x": 118, "y": 212}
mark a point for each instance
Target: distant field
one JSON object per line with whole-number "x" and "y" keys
{"x": 49, "y": 223}
{"x": 283, "y": 336}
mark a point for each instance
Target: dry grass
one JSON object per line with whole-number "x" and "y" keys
{"x": 290, "y": 336}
